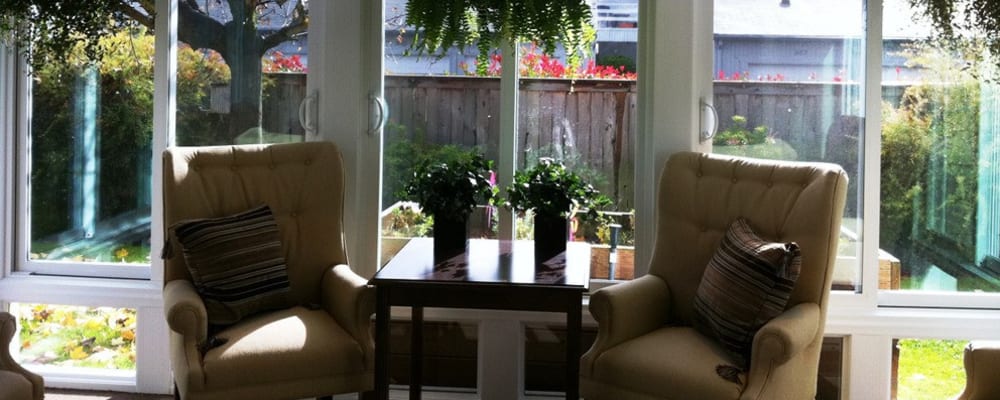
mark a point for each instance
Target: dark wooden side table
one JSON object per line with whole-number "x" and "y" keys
{"x": 491, "y": 274}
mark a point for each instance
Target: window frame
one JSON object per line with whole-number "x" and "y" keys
{"x": 22, "y": 221}
{"x": 101, "y": 284}
{"x": 868, "y": 321}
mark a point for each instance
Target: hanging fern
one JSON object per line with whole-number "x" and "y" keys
{"x": 441, "y": 24}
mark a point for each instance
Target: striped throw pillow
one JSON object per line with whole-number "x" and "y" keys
{"x": 236, "y": 263}
{"x": 746, "y": 283}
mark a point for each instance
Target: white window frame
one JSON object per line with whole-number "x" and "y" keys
{"x": 22, "y": 220}
{"x": 675, "y": 60}
{"x": 139, "y": 288}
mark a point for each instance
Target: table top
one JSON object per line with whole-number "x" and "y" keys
{"x": 489, "y": 262}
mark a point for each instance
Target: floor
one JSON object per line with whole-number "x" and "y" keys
{"x": 402, "y": 394}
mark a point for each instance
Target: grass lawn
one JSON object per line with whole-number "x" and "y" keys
{"x": 930, "y": 369}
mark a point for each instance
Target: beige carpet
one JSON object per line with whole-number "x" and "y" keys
{"x": 62, "y": 394}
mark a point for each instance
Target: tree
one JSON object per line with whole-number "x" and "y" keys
{"x": 957, "y": 20}
{"x": 57, "y": 26}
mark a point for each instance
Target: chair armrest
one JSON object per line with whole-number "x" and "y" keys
{"x": 786, "y": 335}
{"x": 185, "y": 310}
{"x": 351, "y": 301}
{"x": 625, "y": 311}
{"x": 8, "y": 324}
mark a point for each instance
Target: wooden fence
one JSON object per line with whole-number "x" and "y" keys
{"x": 590, "y": 124}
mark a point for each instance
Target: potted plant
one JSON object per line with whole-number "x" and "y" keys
{"x": 552, "y": 192}
{"x": 448, "y": 189}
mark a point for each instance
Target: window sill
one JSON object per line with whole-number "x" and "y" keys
{"x": 23, "y": 287}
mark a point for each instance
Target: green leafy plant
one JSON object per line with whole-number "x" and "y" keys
{"x": 617, "y": 61}
{"x": 549, "y": 188}
{"x": 738, "y": 134}
{"x": 451, "y": 187}
{"x": 488, "y": 23}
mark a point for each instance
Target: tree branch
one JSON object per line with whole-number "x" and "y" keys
{"x": 199, "y": 30}
{"x": 146, "y": 19}
{"x": 298, "y": 26}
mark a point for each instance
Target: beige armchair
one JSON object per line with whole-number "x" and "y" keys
{"x": 319, "y": 347}
{"x": 982, "y": 361}
{"x": 16, "y": 383}
{"x": 646, "y": 347}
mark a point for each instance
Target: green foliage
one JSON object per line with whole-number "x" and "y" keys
{"x": 197, "y": 71}
{"x": 61, "y": 28}
{"x": 550, "y": 188}
{"x": 905, "y": 148}
{"x": 599, "y": 231}
{"x": 930, "y": 160}
{"x": 451, "y": 187}
{"x": 955, "y": 21}
{"x": 738, "y": 134}
{"x": 406, "y": 221}
{"x": 402, "y": 156}
{"x": 617, "y": 61}
{"x": 572, "y": 159}
{"x": 124, "y": 76}
{"x": 488, "y": 23}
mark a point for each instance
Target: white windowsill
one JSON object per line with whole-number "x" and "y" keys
{"x": 22, "y": 287}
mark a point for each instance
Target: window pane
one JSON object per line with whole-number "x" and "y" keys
{"x": 90, "y": 153}
{"x": 939, "y": 162}
{"x": 927, "y": 369}
{"x": 579, "y": 107}
{"x": 241, "y": 86}
{"x": 788, "y": 85}
{"x": 438, "y": 111}
{"x": 75, "y": 336}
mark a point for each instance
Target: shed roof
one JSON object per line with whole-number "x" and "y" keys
{"x": 812, "y": 18}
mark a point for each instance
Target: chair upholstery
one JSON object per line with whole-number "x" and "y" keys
{"x": 16, "y": 383}
{"x": 645, "y": 346}
{"x": 320, "y": 347}
{"x": 982, "y": 361}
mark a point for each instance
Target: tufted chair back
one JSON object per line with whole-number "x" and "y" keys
{"x": 700, "y": 194}
{"x": 301, "y": 182}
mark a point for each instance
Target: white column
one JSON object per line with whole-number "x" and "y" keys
{"x": 675, "y": 73}
{"x": 500, "y": 369}
{"x": 865, "y": 372}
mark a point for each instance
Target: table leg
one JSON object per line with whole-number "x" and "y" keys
{"x": 573, "y": 322}
{"x": 416, "y": 351}
{"x": 382, "y": 343}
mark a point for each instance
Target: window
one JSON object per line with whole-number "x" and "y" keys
{"x": 939, "y": 171}
{"x": 791, "y": 89}
{"x": 87, "y": 193}
{"x": 577, "y": 106}
{"x": 927, "y": 368}
{"x": 54, "y": 336}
